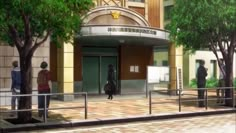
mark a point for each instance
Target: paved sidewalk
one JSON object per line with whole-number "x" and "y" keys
{"x": 99, "y": 107}
{"x": 207, "y": 124}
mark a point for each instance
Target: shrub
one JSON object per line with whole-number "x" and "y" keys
{"x": 193, "y": 83}
{"x": 211, "y": 82}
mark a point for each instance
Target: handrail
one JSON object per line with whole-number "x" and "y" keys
{"x": 45, "y": 108}
{"x": 180, "y": 100}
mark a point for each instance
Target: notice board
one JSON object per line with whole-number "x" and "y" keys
{"x": 157, "y": 74}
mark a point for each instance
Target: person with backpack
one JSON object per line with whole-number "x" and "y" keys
{"x": 16, "y": 84}
{"x": 43, "y": 81}
{"x": 111, "y": 82}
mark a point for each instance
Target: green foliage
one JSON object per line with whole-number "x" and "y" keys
{"x": 235, "y": 83}
{"x": 194, "y": 24}
{"x": 193, "y": 83}
{"x": 62, "y": 18}
{"x": 211, "y": 82}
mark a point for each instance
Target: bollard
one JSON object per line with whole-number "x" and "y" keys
{"x": 86, "y": 106}
{"x": 206, "y": 99}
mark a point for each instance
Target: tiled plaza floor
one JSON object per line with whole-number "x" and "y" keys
{"x": 123, "y": 106}
{"x": 208, "y": 124}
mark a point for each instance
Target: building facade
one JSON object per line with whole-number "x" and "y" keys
{"x": 123, "y": 33}
{"x": 129, "y": 34}
{"x": 118, "y": 32}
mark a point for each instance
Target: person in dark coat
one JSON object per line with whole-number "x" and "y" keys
{"x": 201, "y": 82}
{"x": 111, "y": 81}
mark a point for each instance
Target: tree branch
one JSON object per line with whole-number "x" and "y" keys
{"x": 224, "y": 54}
{"x": 214, "y": 50}
{"x": 36, "y": 45}
{"x": 15, "y": 37}
{"x": 25, "y": 19}
{"x": 233, "y": 40}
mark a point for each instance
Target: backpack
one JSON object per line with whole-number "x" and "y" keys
{"x": 107, "y": 87}
{"x": 42, "y": 77}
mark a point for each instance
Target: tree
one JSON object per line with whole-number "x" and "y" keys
{"x": 208, "y": 24}
{"x": 26, "y": 24}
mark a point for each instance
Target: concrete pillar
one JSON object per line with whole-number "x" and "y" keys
{"x": 161, "y": 14}
{"x": 65, "y": 60}
{"x": 176, "y": 60}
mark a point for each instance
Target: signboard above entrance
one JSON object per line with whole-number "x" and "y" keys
{"x": 134, "y": 31}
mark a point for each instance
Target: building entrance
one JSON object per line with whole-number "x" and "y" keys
{"x": 95, "y": 70}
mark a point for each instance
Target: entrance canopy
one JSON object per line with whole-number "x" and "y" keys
{"x": 116, "y": 26}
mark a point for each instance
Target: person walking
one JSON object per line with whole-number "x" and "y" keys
{"x": 111, "y": 81}
{"x": 201, "y": 83}
{"x": 43, "y": 80}
{"x": 16, "y": 84}
{"x": 220, "y": 91}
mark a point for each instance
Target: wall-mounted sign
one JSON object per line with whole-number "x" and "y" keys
{"x": 134, "y": 69}
{"x": 133, "y": 31}
{"x": 129, "y": 29}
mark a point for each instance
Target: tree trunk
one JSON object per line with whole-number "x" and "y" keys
{"x": 26, "y": 87}
{"x": 229, "y": 81}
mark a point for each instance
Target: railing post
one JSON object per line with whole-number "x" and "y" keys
{"x": 233, "y": 98}
{"x": 150, "y": 102}
{"x": 179, "y": 100}
{"x": 45, "y": 111}
{"x": 85, "y": 106}
{"x": 206, "y": 99}
{"x": 147, "y": 88}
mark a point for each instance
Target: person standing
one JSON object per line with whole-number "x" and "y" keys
{"x": 220, "y": 91}
{"x": 16, "y": 84}
{"x": 201, "y": 82}
{"x": 111, "y": 81}
{"x": 43, "y": 81}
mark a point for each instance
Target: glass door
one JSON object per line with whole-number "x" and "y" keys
{"x": 91, "y": 74}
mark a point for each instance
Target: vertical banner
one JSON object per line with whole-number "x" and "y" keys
{"x": 179, "y": 78}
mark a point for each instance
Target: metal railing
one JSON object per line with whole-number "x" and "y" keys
{"x": 45, "y": 109}
{"x": 205, "y": 99}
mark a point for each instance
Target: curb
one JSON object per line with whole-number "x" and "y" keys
{"x": 40, "y": 126}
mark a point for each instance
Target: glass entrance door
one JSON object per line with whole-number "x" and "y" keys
{"x": 95, "y": 70}
{"x": 91, "y": 74}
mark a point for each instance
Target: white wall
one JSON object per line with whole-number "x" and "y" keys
{"x": 207, "y": 56}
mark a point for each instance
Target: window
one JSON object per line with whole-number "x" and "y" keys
{"x": 196, "y": 66}
{"x": 213, "y": 68}
{"x": 167, "y": 12}
{"x": 160, "y": 56}
{"x": 137, "y": 1}
{"x": 164, "y": 63}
